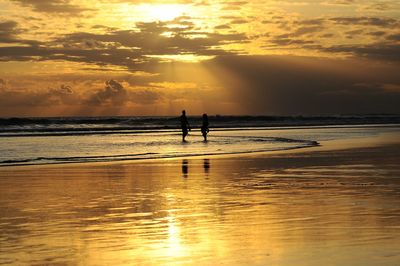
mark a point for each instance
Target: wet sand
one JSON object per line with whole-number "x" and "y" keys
{"x": 318, "y": 206}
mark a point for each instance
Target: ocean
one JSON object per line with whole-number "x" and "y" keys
{"x": 27, "y": 141}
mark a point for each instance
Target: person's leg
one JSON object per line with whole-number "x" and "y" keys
{"x": 204, "y": 134}
{"x": 184, "y": 134}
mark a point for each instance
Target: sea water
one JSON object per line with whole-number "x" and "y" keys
{"x": 26, "y": 141}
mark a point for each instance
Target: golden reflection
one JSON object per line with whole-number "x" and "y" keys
{"x": 175, "y": 247}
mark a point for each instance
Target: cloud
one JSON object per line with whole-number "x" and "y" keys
{"x": 3, "y": 85}
{"x": 52, "y": 6}
{"x": 234, "y": 5}
{"x": 10, "y": 98}
{"x": 64, "y": 89}
{"x": 8, "y": 31}
{"x": 239, "y": 21}
{"x": 312, "y": 22}
{"x": 115, "y": 94}
{"x": 376, "y": 51}
{"x": 128, "y": 48}
{"x": 392, "y": 37}
{"x": 306, "y": 30}
{"x": 379, "y": 7}
{"x": 289, "y": 41}
{"x": 303, "y": 85}
{"x": 340, "y": 2}
{"x": 234, "y": 85}
{"x": 222, "y": 27}
{"x": 367, "y": 21}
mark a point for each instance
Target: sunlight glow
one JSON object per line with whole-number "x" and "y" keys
{"x": 175, "y": 248}
{"x": 162, "y": 12}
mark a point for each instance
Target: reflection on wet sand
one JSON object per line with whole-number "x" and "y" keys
{"x": 300, "y": 210}
{"x": 185, "y": 168}
{"x": 206, "y": 166}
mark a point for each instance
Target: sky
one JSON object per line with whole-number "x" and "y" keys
{"x": 255, "y": 57}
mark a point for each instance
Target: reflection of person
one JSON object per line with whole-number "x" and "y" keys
{"x": 206, "y": 166}
{"x": 185, "y": 168}
{"x": 184, "y": 125}
{"x": 204, "y": 127}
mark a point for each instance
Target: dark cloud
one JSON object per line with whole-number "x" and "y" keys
{"x": 312, "y": 22}
{"x": 327, "y": 35}
{"x": 230, "y": 17}
{"x": 65, "y": 89}
{"x": 353, "y": 33}
{"x": 112, "y": 94}
{"x": 377, "y": 33}
{"x": 367, "y": 21}
{"x": 289, "y": 41}
{"x": 306, "y": 30}
{"x": 378, "y": 51}
{"x": 255, "y": 84}
{"x": 8, "y": 31}
{"x": 52, "y": 6}
{"x": 300, "y": 85}
{"x": 49, "y": 97}
{"x": 394, "y": 37}
{"x": 222, "y": 27}
{"x": 128, "y": 48}
{"x": 341, "y": 2}
{"x": 239, "y": 21}
{"x": 298, "y": 37}
{"x": 2, "y": 85}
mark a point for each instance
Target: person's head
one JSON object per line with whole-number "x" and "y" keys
{"x": 205, "y": 116}
{"x": 183, "y": 112}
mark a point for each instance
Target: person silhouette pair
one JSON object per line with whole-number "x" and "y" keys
{"x": 186, "y": 126}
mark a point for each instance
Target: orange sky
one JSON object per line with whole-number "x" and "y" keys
{"x": 133, "y": 57}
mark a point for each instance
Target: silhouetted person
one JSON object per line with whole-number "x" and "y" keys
{"x": 206, "y": 166}
{"x": 184, "y": 125}
{"x": 185, "y": 168}
{"x": 204, "y": 127}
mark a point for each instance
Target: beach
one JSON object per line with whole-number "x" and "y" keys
{"x": 223, "y": 132}
{"x": 332, "y": 204}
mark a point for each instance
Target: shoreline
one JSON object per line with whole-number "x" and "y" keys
{"x": 133, "y": 131}
{"x": 383, "y": 140}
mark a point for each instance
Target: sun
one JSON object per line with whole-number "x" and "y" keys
{"x": 162, "y": 12}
